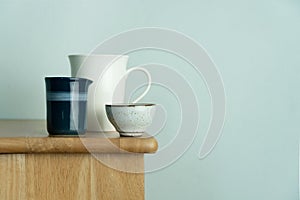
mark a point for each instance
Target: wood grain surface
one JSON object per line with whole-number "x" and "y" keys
{"x": 71, "y": 176}
{"x": 30, "y": 136}
{"x": 102, "y": 166}
{"x": 12, "y": 176}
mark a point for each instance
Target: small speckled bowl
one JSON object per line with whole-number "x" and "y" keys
{"x": 130, "y": 119}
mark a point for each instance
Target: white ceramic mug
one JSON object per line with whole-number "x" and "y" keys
{"x": 106, "y": 72}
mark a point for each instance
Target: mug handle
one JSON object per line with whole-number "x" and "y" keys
{"x": 149, "y": 80}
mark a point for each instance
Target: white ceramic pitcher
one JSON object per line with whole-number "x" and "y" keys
{"x": 106, "y": 72}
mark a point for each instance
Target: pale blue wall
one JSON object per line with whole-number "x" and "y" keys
{"x": 255, "y": 45}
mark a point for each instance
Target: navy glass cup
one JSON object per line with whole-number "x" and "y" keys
{"x": 66, "y": 105}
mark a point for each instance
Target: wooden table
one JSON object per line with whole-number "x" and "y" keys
{"x": 96, "y": 166}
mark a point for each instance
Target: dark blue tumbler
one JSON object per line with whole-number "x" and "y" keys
{"x": 66, "y": 105}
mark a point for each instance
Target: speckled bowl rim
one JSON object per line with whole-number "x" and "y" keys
{"x": 129, "y": 104}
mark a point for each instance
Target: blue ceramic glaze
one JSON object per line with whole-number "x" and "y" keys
{"x": 66, "y": 105}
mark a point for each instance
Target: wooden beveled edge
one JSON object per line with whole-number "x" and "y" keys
{"x": 141, "y": 145}
{"x": 77, "y": 145}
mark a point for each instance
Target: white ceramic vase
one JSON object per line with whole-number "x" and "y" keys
{"x": 106, "y": 72}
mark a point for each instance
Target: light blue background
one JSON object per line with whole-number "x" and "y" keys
{"x": 255, "y": 45}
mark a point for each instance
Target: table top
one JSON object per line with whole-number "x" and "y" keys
{"x": 30, "y": 136}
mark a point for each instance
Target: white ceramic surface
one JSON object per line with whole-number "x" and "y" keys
{"x": 106, "y": 72}
{"x": 130, "y": 119}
